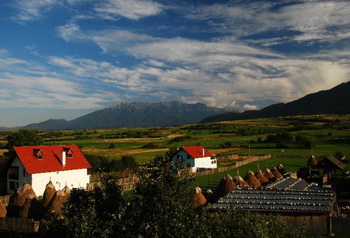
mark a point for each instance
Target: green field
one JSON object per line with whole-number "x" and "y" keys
{"x": 320, "y": 135}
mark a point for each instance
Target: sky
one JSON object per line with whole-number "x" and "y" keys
{"x": 61, "y": 59}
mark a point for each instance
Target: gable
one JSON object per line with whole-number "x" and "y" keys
{"x": 43, "y": 159}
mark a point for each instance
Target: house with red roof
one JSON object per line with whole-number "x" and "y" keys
{"x": 194, "y": 157}
{"x": 63, "y": 165}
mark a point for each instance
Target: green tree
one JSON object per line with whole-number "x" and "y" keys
{"x": 163, "y": 200}
{"x": 21, "y": 138}
{"x": 96, "y": 213}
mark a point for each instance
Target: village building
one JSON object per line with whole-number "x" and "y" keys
{"x": 194, "y": 158}
{"x": 63, "y": 165}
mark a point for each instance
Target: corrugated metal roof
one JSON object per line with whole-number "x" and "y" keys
{"x": 279, "y": 201}
{"x": 290, "y": 184}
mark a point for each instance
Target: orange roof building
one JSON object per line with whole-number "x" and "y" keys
{"x": 194, "y": 157}
{"x": 63, "y": 165}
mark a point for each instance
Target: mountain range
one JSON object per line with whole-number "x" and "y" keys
{"x": 137, "y": 114}
{"x": 332, "y": 101}
{"x": 164, "y": 114}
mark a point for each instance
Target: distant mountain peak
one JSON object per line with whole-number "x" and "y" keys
{"x": 136, "y": 114}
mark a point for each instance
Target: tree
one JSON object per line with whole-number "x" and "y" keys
{"x": 21, "y": 138}
{"x": 96, "y": 213}
{"x": 163, "y": 202}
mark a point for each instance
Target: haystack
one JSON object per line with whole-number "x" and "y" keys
{"x": 199, "y": 199}
{"x": 25, "y": 192}
{"x": 3, "y": 211}
{"x": 268, "y": 174}
{"x": 210, "y": 196}
{"x": 312, "y": 161}
{"x": 276, "y": 173}
{"x": 240, "y": 182}
{"x": 252, "y": 180}
{"x": 262, "y": 179}
{"x": 57, "y": 202}
{"x": 24, "y": 210}
{"x": 66, "y": 191}
{"x": 49, "y": 192}
{"x": 281, "y": 169}
{"x": 225, "y": 186}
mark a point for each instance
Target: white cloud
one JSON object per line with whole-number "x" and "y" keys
{"x": 250, "y": 107}
{"x": 31, "y": 10}
{"x": 312, "y": 20}
{"x": 131, "y": 9}
{"x": 70, "y": 31}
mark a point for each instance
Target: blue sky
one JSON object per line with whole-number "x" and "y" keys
{"x": 66, "y": 58}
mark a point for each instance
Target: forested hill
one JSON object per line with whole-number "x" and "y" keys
{"x": 333, "y": 101}
{"x": 137, "y": 114}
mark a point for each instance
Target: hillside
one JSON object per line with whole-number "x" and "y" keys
{"x": 333, "y": 101}
{"x": 137, "y": 114}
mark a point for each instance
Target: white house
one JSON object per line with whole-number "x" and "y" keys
{"x": 63, "y": 165}
{"x": 194, "y": 157}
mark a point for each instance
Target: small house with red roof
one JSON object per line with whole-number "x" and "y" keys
{"x": 63, "y": 165}
{"x": 194, "y": 157}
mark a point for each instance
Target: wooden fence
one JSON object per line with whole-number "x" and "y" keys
{"x": 19, "y": 224}
{"x": 243, "y": 161}
{"x": 126, "y": 184}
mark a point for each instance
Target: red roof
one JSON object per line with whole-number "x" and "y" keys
{"x": 196, "y": 151}
{"x": 50, "y": 160}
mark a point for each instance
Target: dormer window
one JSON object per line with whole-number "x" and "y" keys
{"x": 38, "y": 153}
{"x": 69, "y": 152}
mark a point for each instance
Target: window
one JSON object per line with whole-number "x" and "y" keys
{"x": 13, "y": 173}
{"x": 38, "y": 153}
{"x": 14, "y": 185}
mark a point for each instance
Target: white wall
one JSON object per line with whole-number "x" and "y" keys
{"x": 205, "y": 162}
{"x": 72, "y": 178}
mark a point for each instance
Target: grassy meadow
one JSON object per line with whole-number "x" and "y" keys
{"x": 290, "y": 141}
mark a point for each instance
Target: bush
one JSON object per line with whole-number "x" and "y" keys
{"x": 150, "y": 145}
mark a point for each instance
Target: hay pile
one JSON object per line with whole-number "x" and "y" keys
{"x": 3, "y": 210}
{"x": 57, "y": 202}
{"x": 312, "y": 161}
{"x": 66, "y": 191}
{"x": 199, "y": 199}
{"x": 225, "y": 186}
{"x": 49, "y": 192}
{"x": 240, "y": 182}
{"x": 24, "y": 210}
{"x": 268, "y": 174}
{"x": 276, "y": 173}
{"x": 262, "y": 179}
{"x": 252, "y": 180}
{"x": 25, "y": 192}
{"x": 281, "y": 169}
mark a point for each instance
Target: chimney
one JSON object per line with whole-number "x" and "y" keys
{"x": 203, "y": 152}
{"x": 63, "y": 159}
